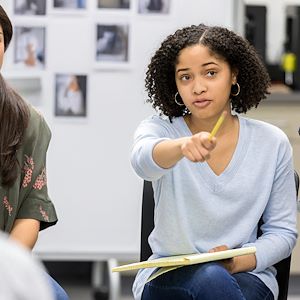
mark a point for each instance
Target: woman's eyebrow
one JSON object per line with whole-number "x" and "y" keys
{"x": 203, "y": 65}
{"x": 182, "y": 70}
{"x": 209, "y": 63}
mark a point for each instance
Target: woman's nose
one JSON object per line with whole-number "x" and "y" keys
{"x": 199, "y": 87}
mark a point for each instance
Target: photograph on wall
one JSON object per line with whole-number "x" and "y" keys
{"x": 69, "y": 4}
{"x": 30, "y": 7}
{"x": 114, "y": 4}
{"x": 29, "y": 50}
{"x": 153, "y": 6}
{"x": 70, "y": 95}
{"x": 112, "y": 43}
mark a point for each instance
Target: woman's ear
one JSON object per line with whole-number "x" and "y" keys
{"x": 234, "y": 75}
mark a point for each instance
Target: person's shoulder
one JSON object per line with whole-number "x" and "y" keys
{"x": 158, "y": 119}
{"x": 265, "y": 130}
{"x": 36, "y": 132}
{"x": 35, "y": 115}
{"x": 21, "y": 274}
{"x": 37, "y": 124}
{"x": 163, "y": 120}
{"x": 12, "y": 253}
{"x": 158, "y": 123}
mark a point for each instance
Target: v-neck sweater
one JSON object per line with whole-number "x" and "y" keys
{"x": 217, "y": 182}
{"x": 196, "y": 210}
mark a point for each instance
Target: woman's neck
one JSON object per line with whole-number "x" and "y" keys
{"x": 197, "y": 125}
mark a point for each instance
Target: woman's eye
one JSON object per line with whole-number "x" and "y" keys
{"x": 211, "y": 73}
{"x": 185, "y": 77}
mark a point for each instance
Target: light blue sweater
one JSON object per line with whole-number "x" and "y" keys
{"x": 196, "y": 210}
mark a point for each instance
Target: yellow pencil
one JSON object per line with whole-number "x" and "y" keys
{"x": 218, "y": 125}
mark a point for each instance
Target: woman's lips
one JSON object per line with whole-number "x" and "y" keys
{"x": 202, "y": 103}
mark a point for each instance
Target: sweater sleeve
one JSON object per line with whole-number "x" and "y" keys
{"x": 279, "y": 232}
{"x": 149, "y": 133}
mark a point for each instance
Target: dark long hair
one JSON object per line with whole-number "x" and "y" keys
{"x": 14, "y": 117}
{"x": 6, "y": 27}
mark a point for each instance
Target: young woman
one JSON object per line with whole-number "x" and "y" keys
{"x": 211, "y": 193}
{"x": 25, "y": 207}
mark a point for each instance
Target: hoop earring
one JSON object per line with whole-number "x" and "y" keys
{"x": 238, "y": 90}
{"x": 176, "y": 101}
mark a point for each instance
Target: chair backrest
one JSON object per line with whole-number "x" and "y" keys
{"x": 147, "y": 220}
{"x": 283, "y": 267}
{"x": 297, "y": 182}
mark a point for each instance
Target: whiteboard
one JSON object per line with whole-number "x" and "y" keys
{"x": 96, "y": 193}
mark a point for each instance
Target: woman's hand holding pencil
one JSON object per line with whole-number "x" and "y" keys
{"x": 198, "y": 147}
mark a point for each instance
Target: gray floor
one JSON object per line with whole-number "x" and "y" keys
{"x": 84, "y": 291}
{"x": 75, "y": 278}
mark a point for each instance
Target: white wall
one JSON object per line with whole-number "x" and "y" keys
{"x": 96, "y": 193}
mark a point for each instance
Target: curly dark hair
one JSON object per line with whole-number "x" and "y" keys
{"x": 253, "y": 77}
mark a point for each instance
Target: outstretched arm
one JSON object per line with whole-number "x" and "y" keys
{"x": 196, "y": 148}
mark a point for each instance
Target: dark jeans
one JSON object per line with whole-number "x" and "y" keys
{"x": 208, "y": 281}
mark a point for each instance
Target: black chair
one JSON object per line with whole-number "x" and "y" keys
{"x": 283, "y": 267}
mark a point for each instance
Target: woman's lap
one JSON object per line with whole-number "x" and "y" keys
{"x": 208, "y": 281}
{"x": 252, "y": 287}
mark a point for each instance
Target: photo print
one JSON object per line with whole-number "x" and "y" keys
{"x": 70, "y": 95}
{"x": 30, "y": 7}
{"x": 153, "y": 6}
{"x": 69, "y": 4}
{"x": 114, "y": 4}
{"x": 112, "y": 43}
{"x": 29, "y": 49}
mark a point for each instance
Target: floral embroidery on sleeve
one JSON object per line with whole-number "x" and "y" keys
{"x": 41, "y": 180}
{"x": 44, "y": 214}
{"x": 7, "y": 205}
{"x": 27, "y": 169}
